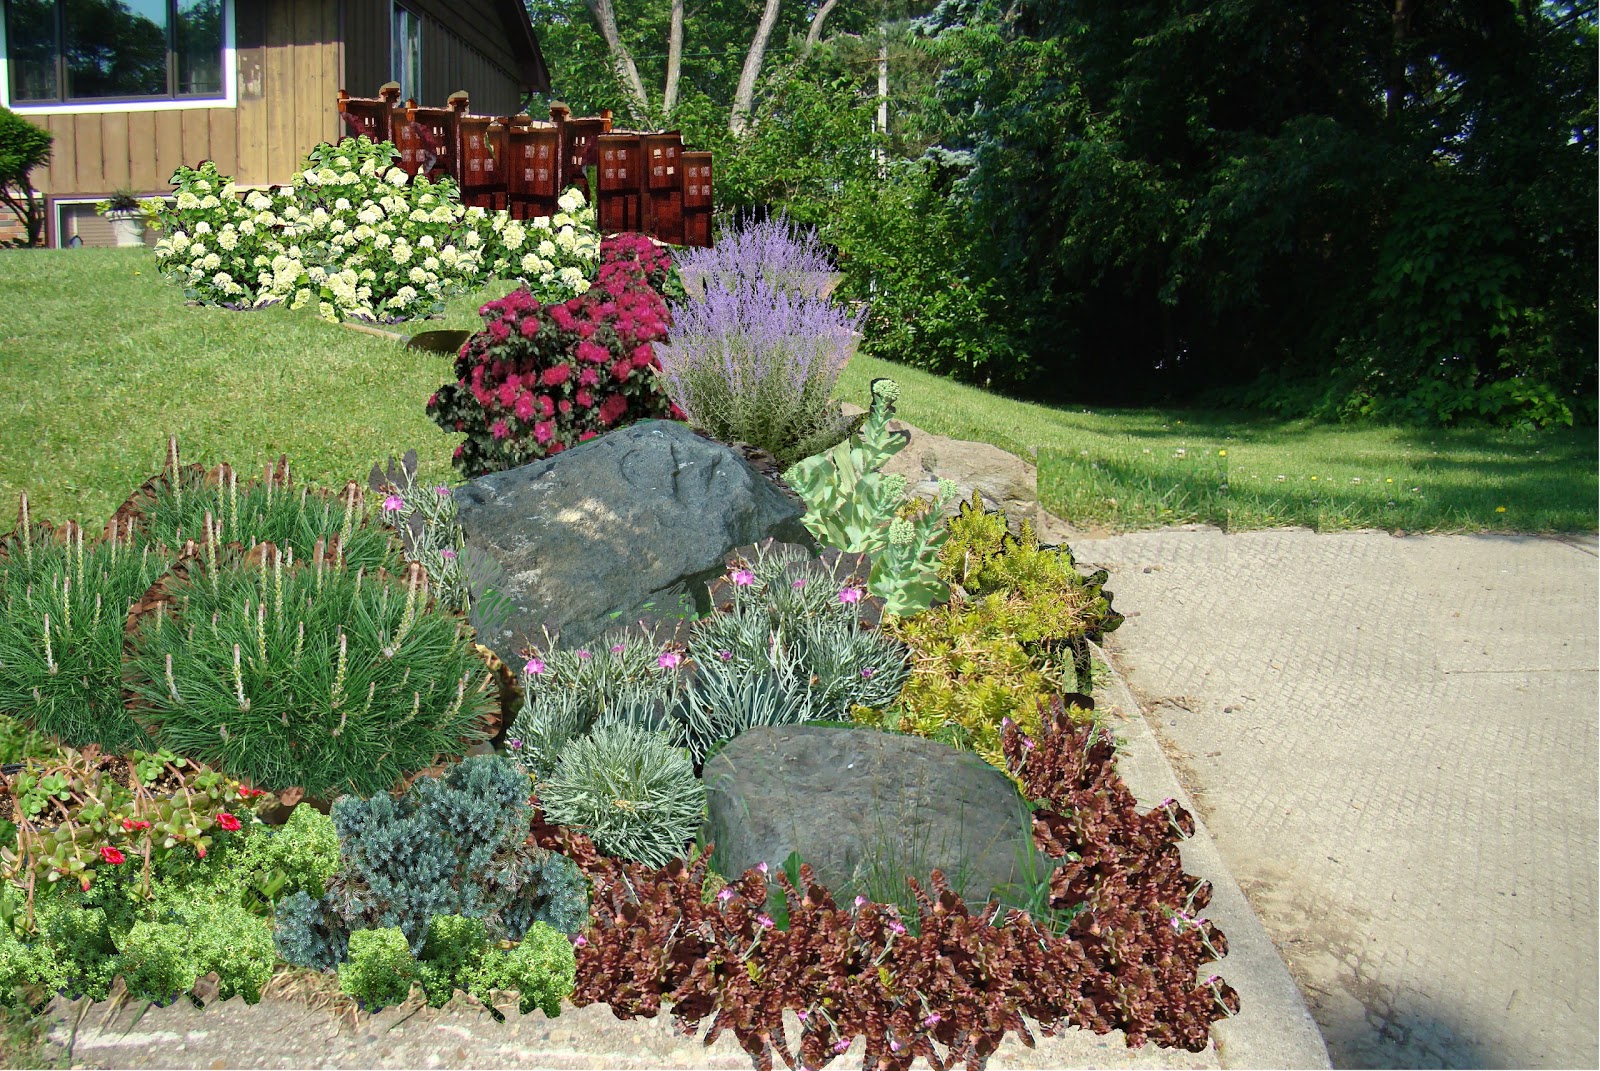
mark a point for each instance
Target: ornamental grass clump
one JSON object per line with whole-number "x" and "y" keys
{"x": 303, "y": 674}
{"x": 629, "y": 790}
{"x": 755, "y": 351}
{"x": 539, "y": 379}
{"x": 64, "y": 603}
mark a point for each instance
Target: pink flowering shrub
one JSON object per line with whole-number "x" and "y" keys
{"x": 541, "y": 378}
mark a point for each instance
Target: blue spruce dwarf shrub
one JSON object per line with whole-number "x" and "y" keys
{"x": 453, "y": 845}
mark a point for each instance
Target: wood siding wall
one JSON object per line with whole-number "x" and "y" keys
{"x": 289, "y": 62}
{"x": 463, "y": 47}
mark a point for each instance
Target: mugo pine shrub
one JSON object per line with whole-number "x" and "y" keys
{"x": 756, "y": 348}
{"x": 307, "y": 674}
{"x": 452, "y": 845}
{"x": 63, "y": 606}
{"x": 539, "y": 379}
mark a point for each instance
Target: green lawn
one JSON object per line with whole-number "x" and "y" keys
{"x": 103, "y": 361}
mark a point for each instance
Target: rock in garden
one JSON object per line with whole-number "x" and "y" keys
{"x": 1002, "y": 480}
{"x": 844, "y": 798}
{"x": 641, "y": 514}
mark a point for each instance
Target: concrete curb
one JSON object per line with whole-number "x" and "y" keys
{"x": 1273, "y": 1029}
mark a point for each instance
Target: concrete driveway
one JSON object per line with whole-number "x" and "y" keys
{"x": 1393, "y": 744}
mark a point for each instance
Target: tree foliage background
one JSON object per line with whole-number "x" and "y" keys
{"x": 1361, "y": 209}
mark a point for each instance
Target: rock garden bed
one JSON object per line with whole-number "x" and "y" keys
{"x": 641, "y": 721}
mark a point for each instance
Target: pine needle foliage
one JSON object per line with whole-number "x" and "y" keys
{"x": 64, "y": 602}
{"x": 308, "y": 675}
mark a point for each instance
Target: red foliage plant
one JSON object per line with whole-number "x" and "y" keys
{"x": 1129, "y": 959}
{"x": 539, "y": 379}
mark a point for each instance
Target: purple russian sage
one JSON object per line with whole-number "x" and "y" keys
{"x": 755, "y": 363}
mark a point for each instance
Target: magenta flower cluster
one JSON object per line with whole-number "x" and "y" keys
{"x": 539, "y": 379}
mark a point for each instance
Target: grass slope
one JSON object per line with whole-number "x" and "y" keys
{"x": 103, "y": 360}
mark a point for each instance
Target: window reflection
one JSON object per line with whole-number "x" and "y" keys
{"x": 31, "y": 48}
{"x": 115, "y": 48}
{"x": 82, "y": 50}
{"x": 197, "y": 42}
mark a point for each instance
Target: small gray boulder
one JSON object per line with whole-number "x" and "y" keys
{"x": 852, "y": 801}
{"x": 643, "y": 514}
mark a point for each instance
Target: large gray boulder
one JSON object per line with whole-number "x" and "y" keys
{"x": 847, "y": 799}
{"x": 643, "y": 514}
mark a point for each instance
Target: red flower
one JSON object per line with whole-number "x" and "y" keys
{"x": 133, "y": 825}
{"x": 250, "y": 793}
{"x": 200, "y": 849}
{"x": 588, "y": 378}
{"x": 592, "y": 352}
{"x": 586, "y": 436}
{"x": 621, "y": 370}
{"x": 556, "y": 375}
{"x": 112, "y": 856}
{"x": 583, "y": 397}
{"x": 563, "y": 317}
{"x": 498, "y": 330}
{"x": 524, "y": 406}
{"x": 499, "y": 430}
{"x": 544, "y": 431}
{"x": 227, "y": 821}
{"x": 507, "y": 394}
{"x": 530, "y": 327}
{"x": 565, "y": 406}
{"x": 612, "y": 408}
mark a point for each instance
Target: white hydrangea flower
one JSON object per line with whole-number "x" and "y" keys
{"x": 228, "y": 239}
{"x": 570, "y": 201}
{"x": 301, "y": 297}
{"x": 396, "y": 177}
{"x": 187, "y": 202}
{"x": 418, "y": 276}
{"x": 402, "y": 297}
{"x": 342, "y": 205}
{"x": 248, "y": 227}
{"x": 222, "y": 280}
{"x": 257, "y": 201}
{"x": 401, "y": 253}
{"x": 317, "y": 274}
{"x": 583, "y": 286}
{"x": 338, "y": 226}
{"x": 326, "y": 312}
{"x": 180, "y": 241}
{"x": 197, "y": 250}
{"x": 425, "y": 242}
{"x": 471, "y": 239}
{"x": 541, "y": 223}
{"x": 431, "y": 263}
{"x": 202, "y": 185}
{"x": 571, "y": 276}
{"x": 448, "y": 256}
{"x": 381, "y": 240}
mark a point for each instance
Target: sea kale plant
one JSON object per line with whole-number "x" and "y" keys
{"x": 303, "y": 674}
{"x": 1128, "y": 959}
{"x": 852, "y": 506}
{"x": 756, "y": 349}
{"x": 354, "y": 238}
{"x": 450, "y": 845}
{"x": 64, "y": 604}
{"x": 539, "y": 379}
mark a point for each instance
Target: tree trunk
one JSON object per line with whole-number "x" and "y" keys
{"x": 669, "y": 96}
{"x": 606, "y": 17}
{"x": 815, "y": 33}
{"x": 744, "y": 95}
{"x": 883, "y": 86}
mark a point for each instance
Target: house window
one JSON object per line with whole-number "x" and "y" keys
{"x": 81, "y": 51}
{"x": 406, "y": 54}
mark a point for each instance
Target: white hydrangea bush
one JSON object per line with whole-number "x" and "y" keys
{"x": 553, "y": 256}
{"x": 355, "y": 238}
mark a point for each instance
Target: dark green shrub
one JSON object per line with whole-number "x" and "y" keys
{"x": 65, "y": 604}
{"x": 23, "y": 147}
{"x": 304, "y": 674}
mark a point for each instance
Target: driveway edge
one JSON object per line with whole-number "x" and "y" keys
{"x": 1273, "y": 1029}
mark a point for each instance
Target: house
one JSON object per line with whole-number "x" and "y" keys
{"x": 134, "y": 90}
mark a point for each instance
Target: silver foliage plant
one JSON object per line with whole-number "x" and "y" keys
{"x": 628, "y": 789}
{"x": 786, "y": 647}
